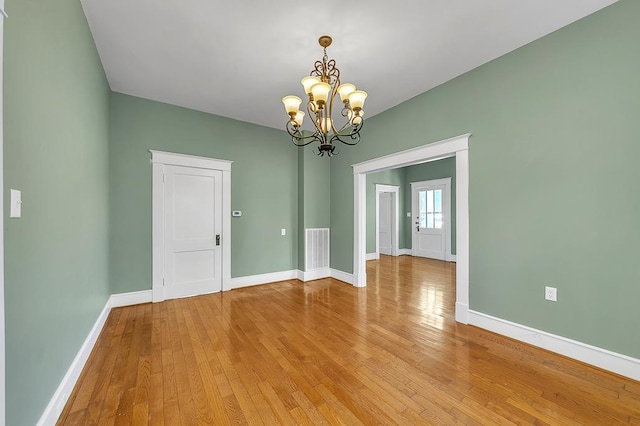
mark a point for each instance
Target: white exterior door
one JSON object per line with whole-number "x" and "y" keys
{"x": 192, "y": 229}
{"x": 430, "y": 200}
{"x": 384, "y": 223}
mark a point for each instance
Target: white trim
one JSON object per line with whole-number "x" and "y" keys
{"x": 395, "y": 190}
{"x": 342, "y": 276}
{"x": 404, "y": 252}
{"x": 158, "y": 160}
{"x": 373, "y": 256}
{"x": 430, "y": 152}
{"x": 602, "y": 358}
{"x": 314, "y": 274}
{"x": 56, "y": 404}
{"x": 446, "y": 182}
{"x": 2, "y": 325}
{"x": 457, "y": 146}
{"x": 3, "y": 12}
{"x": 132, "y": 298}
{"x": 186, "y": 160}
{"x": 272, "y": 277}
{"x": 451, "y": 258}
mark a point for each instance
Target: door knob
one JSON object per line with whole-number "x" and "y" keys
{"x": 218, "y": 239}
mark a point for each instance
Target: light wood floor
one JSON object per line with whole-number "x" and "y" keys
{"x": 325, "y": 352}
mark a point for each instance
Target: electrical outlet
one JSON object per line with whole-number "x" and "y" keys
{"x": 551, "y": 293}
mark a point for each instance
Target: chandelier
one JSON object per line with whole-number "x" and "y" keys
{"x": 321, "y": 86}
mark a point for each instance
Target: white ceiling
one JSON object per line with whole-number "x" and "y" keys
{"x": 238, "y": 58}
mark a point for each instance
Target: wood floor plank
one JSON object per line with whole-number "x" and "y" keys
{"x": 325, "y": 352}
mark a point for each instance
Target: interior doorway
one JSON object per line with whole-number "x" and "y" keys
{"x": 191, "y": 225}
{"x": 387, "y": 224}
{"x": 454, "y": 147}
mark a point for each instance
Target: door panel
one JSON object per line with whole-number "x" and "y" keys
{"x": 384, "y": 223}
{"x": 193, "y": 218}
{"x": 429, "y": 231}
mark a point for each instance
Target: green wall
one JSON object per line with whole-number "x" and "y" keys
{"x": 55, "y": 150}
{"x": 264, "y": 186}
{"x": 313, "y": 195}
{"x": 403, "y": 177}
{"x": 553, "y": 169}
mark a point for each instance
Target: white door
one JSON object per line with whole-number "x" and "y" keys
{"x": 193, "y": 225}
{"x": 430, "y": 222}
{"x": 384, "y": 223}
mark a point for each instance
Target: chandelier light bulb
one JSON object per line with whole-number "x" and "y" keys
{"x": 320, "y": 92}
{"x": 344, "y": 90}
{"x": 355, "y": 118}
{"x": 325, "y": 124}
{"x": 308, "y": 82}
{"x": 356, "y": 99}
{"x": 291, "y": 104}
{"x": 298, "y": 118}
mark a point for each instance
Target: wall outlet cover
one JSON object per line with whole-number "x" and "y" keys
{"x": 551, "y": 293}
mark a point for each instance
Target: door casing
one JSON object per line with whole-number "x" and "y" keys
{"x": 158, "y": 160}
{"x": 457, "y": 147}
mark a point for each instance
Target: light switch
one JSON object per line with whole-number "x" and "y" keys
{"x": 16, "y": 203}
{"x": 283, "y": 231}
{"x": 408, "y": 214}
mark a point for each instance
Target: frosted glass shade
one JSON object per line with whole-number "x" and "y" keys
{"x": 308, "y": 82}
{"x": 325, "y": 124}
{"x": 344, "y": 90}
{"x": 354, "y": 118}
{"x": 291, "y": 104}
{"x": 320, "y": 92}
{"x": 356, "y": 99}
{"x": 298, "y": 118}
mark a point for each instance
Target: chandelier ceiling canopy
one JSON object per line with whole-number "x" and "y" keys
{"x": 322, "y": 86}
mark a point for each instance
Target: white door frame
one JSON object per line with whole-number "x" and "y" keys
{"x": 457, "y": 146}
{"x": 446, "y": 182}
{"x": 158, "y": 160}
{"x": 394, "y": 217}
{"x": 2, "y": 343}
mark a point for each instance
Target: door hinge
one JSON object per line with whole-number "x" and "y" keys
{"x": 163, "y": 176}
{"x": 163, "y": 282}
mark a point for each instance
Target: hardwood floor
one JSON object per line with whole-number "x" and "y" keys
{"x": 324, "y": 352}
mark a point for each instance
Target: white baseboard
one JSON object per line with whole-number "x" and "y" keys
{"x": 316, "y": 274}
{"x": 132, "y": 298}
{"x": 603, "y": 358}
{"x": 342, "y": 276}
{"x": 462, "y": 313}
{"x": 61, "y": 395}
{"x": 272, "y": 277}
{"x": 404, "y": 252}
{"x": 372, "y": 256}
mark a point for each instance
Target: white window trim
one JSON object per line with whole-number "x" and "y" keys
{"x": 457, "y": 146}
{"x": 158, "y": 160}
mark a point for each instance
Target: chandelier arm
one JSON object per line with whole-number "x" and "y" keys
{"x": 354, "y": 136}
{"x": 297, "y": 137}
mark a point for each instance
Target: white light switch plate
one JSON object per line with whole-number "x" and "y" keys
{"x": 16, "y": 203}
{"x": 283, "y": 231}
